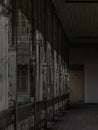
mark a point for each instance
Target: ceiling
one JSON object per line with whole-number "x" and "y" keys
{"x": 79, "y": 20}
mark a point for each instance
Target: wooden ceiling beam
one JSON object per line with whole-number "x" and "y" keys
{"x": 85, "y": 37}
{"x": 81, "y": 1}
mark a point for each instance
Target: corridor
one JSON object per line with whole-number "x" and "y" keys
{"x": 79, "y": 118}
{"x": 48, "y": 63}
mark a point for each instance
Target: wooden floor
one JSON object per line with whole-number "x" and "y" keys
{"x": 79, "y": 118}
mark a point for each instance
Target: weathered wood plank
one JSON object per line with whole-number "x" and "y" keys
{"x": 6, "y": 118}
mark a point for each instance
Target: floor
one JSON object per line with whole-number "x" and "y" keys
{"x": 83, "y": 117}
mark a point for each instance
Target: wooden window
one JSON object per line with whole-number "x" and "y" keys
{"x": 22, "y": 79}
{"x": 23, "y": 25}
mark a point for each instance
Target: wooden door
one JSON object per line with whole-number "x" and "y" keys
{"x": 76, "y": 86}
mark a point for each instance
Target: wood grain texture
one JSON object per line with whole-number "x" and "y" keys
{"x": 76, "y": 85}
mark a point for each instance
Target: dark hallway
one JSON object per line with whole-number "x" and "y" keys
{"x": 48, "y": 63}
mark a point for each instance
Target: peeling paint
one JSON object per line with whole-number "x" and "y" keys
{"x": 3, "y": 62}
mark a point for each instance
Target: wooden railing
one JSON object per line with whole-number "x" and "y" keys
{"x": 26, "y": 114}
{"x": 7, "y": 119}
{"x": 25, "y": 111}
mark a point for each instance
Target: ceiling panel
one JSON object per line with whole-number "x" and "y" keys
{"x": 80, "y": 20}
